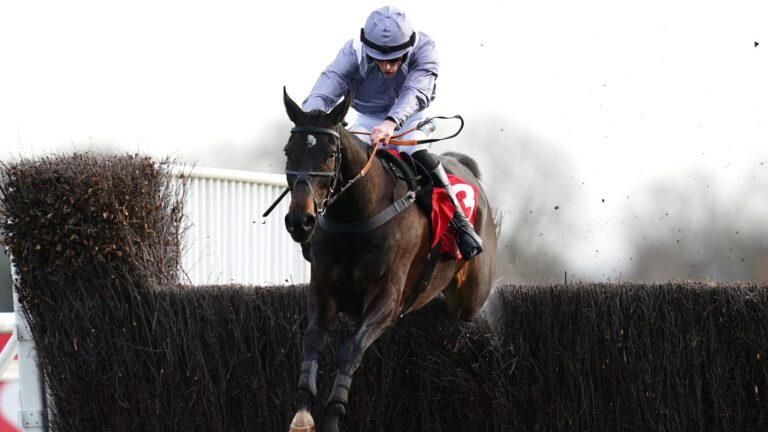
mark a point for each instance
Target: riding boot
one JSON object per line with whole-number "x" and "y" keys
{"x": 470, "y": 244}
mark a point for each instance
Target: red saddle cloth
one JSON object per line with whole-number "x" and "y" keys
{"x": 442, "y": 213}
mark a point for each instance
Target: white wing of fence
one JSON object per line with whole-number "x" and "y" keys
{"x": 228, "y": 241}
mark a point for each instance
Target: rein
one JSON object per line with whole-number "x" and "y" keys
{"x": 400, "y": 142}
{"x": 333, "y": 195}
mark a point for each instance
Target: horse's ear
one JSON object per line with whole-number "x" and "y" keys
{"x": 338, "y": 112}
{"x": 295, "y": 113}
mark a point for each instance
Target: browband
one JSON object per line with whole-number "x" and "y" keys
{"x": 315, "y": 130}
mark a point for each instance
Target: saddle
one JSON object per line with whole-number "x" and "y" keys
{"x": 433, "y": 201}
{"x": 416, "y": 176}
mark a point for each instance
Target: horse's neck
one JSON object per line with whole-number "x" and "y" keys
{"x": 363, "y": 198}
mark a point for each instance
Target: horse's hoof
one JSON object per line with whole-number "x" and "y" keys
{"x": 302, "y": 422}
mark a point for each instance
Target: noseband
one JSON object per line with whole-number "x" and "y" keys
{"x": 305, "y": 176}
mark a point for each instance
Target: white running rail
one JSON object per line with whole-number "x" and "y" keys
{"x": 228, "y": 240}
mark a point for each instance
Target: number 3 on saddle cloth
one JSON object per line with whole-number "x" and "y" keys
{"x": 440, "y": 207}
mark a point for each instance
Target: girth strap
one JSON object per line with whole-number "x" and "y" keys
{"x": 380, "y": 219}
{"x": 426, "y": 276}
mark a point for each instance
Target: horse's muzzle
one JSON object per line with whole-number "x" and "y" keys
{"x": 300, "y": 225}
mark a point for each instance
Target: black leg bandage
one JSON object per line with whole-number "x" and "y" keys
{"x": 308, "y": 378}
{"x": 340, "y": 391}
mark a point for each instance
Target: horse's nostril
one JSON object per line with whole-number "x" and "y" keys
{"x": 288, "y": 224}
{"x": 308, "y": 222}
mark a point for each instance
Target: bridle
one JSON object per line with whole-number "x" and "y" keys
{"x": 335, "y": 174}
{"x": 304, "y": 176}
{"x": 336, "y": 187}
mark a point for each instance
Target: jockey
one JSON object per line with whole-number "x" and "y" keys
{"x": 391, "y": 70}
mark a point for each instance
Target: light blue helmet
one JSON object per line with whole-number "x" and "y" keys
{"x": 387, "y": 34}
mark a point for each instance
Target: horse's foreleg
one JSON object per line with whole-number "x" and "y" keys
{"x": 377, "y": 318}
{"x": 321, "y": 311}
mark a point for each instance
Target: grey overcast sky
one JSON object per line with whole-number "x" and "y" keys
{"x": 625, "y": 91}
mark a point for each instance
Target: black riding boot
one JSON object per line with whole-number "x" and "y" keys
{"x": 470, "y": 244}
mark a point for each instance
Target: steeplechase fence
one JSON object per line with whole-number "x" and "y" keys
{"x": 123, "y": 346}
{"x": 225, "y": 241}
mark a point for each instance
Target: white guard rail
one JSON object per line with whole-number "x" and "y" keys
{"x": 228, "y": 240}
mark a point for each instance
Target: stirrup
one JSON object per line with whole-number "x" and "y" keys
{"x": 470, "y": 244}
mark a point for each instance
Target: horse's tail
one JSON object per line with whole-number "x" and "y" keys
{"x": 467, "y": 161}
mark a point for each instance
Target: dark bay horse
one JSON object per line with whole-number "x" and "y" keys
{"x": 368, "y": 276}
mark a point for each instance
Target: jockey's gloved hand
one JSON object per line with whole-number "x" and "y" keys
{"x": 383, "y": 132}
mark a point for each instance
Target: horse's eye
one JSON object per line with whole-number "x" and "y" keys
{"x": 331, "y": 155}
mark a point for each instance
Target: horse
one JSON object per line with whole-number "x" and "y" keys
{"x": 371, "y": 275}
